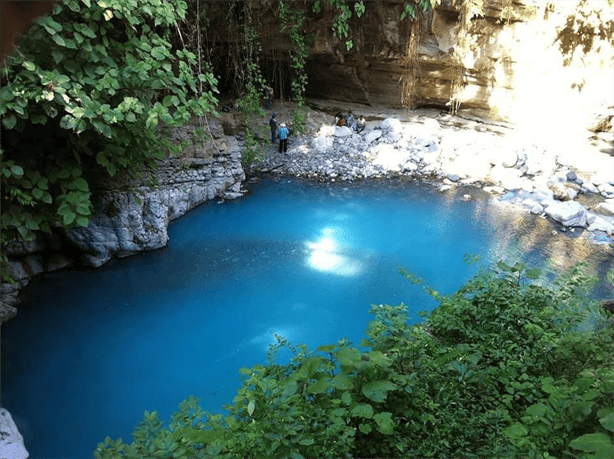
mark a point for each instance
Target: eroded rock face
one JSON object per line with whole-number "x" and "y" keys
{"x": 133, "y": 215}
{"x": 386, "y": 66}
{"x": 130, "y": 222}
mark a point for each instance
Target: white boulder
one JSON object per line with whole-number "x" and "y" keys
{"x": 605, "y": 208}
{"x": 322, "y": 144}
{"x": 568, "y": 213}
{"x": 601, "y": 224}
{"x": 540, "y": 162}
{"x": 507, "y": 178}
{"x": 342, "y": 131}
{"x": 392, "y": 124}
{"x": 373, "y": 135}
{"x": 11, "y": 441}
{"x": 508, "y": 158}
{"x": 390, "y": 158}
{"x": 606, "y": 190}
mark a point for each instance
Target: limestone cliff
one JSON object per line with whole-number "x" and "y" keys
{"x": 503, "y": 62}
{"x": 132, "y": 214}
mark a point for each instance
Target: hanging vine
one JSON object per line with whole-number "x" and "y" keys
{"x": 419, "y": 13}
{"x": 293, "y": 22}
{"x": 468, "y": 10}
{"x": 343, "y": 13}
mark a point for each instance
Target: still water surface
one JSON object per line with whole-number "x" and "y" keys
{"x": 92, "y": 349}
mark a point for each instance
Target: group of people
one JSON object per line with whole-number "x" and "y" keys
{"x": 281, "y": 131}
{"x": 350, "y": 121}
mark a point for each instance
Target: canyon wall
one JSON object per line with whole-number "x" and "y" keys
{"x": 506, "y": 63}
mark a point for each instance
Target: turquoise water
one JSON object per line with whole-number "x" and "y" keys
{"x": 92, "y": 349}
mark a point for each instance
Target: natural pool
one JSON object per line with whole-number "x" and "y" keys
{"x": 92, "y": 349}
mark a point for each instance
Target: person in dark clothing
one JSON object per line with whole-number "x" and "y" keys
{"x": 339, "y": 119}
{"x": 273, "y": 124}
{"x": 283, "y": 137}
{"x": 349, "y": 120}
{"x": 269, "y": 97}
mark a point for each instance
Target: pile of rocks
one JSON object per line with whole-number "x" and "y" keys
{"x": 529, "y": 175}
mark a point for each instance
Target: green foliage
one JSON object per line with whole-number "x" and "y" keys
{"x": 254, "y": 149}
{"x": 293, "y": 21}
{"x": 299, "y": 117}
{"x": 343, "y": 13}
{"x": 250, "y": 100}
{"x": 499, "y": 369}
{"x": 86, "y": 91}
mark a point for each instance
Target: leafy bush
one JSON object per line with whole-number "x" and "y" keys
{"x": 84, "y": 92}
{"x": 499, "y": 369}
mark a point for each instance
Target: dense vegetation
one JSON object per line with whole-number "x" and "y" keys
{"x": 504, "y": 367}
{"x": 84, "y": 94}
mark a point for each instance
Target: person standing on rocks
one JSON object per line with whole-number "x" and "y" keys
{"x": 273, "y": 124}
{"x": 283, "y": 137}
{"x": 269, "y": 97}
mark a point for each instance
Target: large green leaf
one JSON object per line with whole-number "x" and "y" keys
{"x": 606, "y": 418}
{"x": 320, "y": 386}
{"x": 9, "y": 121}
{"x": 363, "y": 411}
{"x": 516, "y": 430}
{"x": 594, "y": 442}
{"x": 309, "y": 368}
{"x": 384, "y": 422}
{"x": 377, "y": 390}
{"x": 348, "y": 356}
{"x": 343, "y": 382}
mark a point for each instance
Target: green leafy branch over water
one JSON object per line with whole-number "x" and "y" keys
{"x": 84, "y": 94}
{"x": 504, "y": 367}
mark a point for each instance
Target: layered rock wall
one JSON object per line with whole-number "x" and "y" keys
{"x": 503, "y": 63}
{"x": 132, "y": 215}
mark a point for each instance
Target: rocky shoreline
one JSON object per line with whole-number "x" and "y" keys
{"x": 428, "y": 145}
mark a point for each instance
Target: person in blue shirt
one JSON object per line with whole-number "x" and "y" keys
{"x": 283, "y": 137}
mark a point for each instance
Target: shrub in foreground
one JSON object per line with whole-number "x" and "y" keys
{"x": 504, "y": 367}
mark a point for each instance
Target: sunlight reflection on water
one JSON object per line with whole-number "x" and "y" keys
{"x": 331, "y": 255}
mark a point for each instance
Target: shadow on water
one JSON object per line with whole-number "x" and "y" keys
{"x": 92, "y": 349}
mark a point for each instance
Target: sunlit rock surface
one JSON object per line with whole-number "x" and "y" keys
{"x": 512, "y": 67}
{"x": 11, "y": 441}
